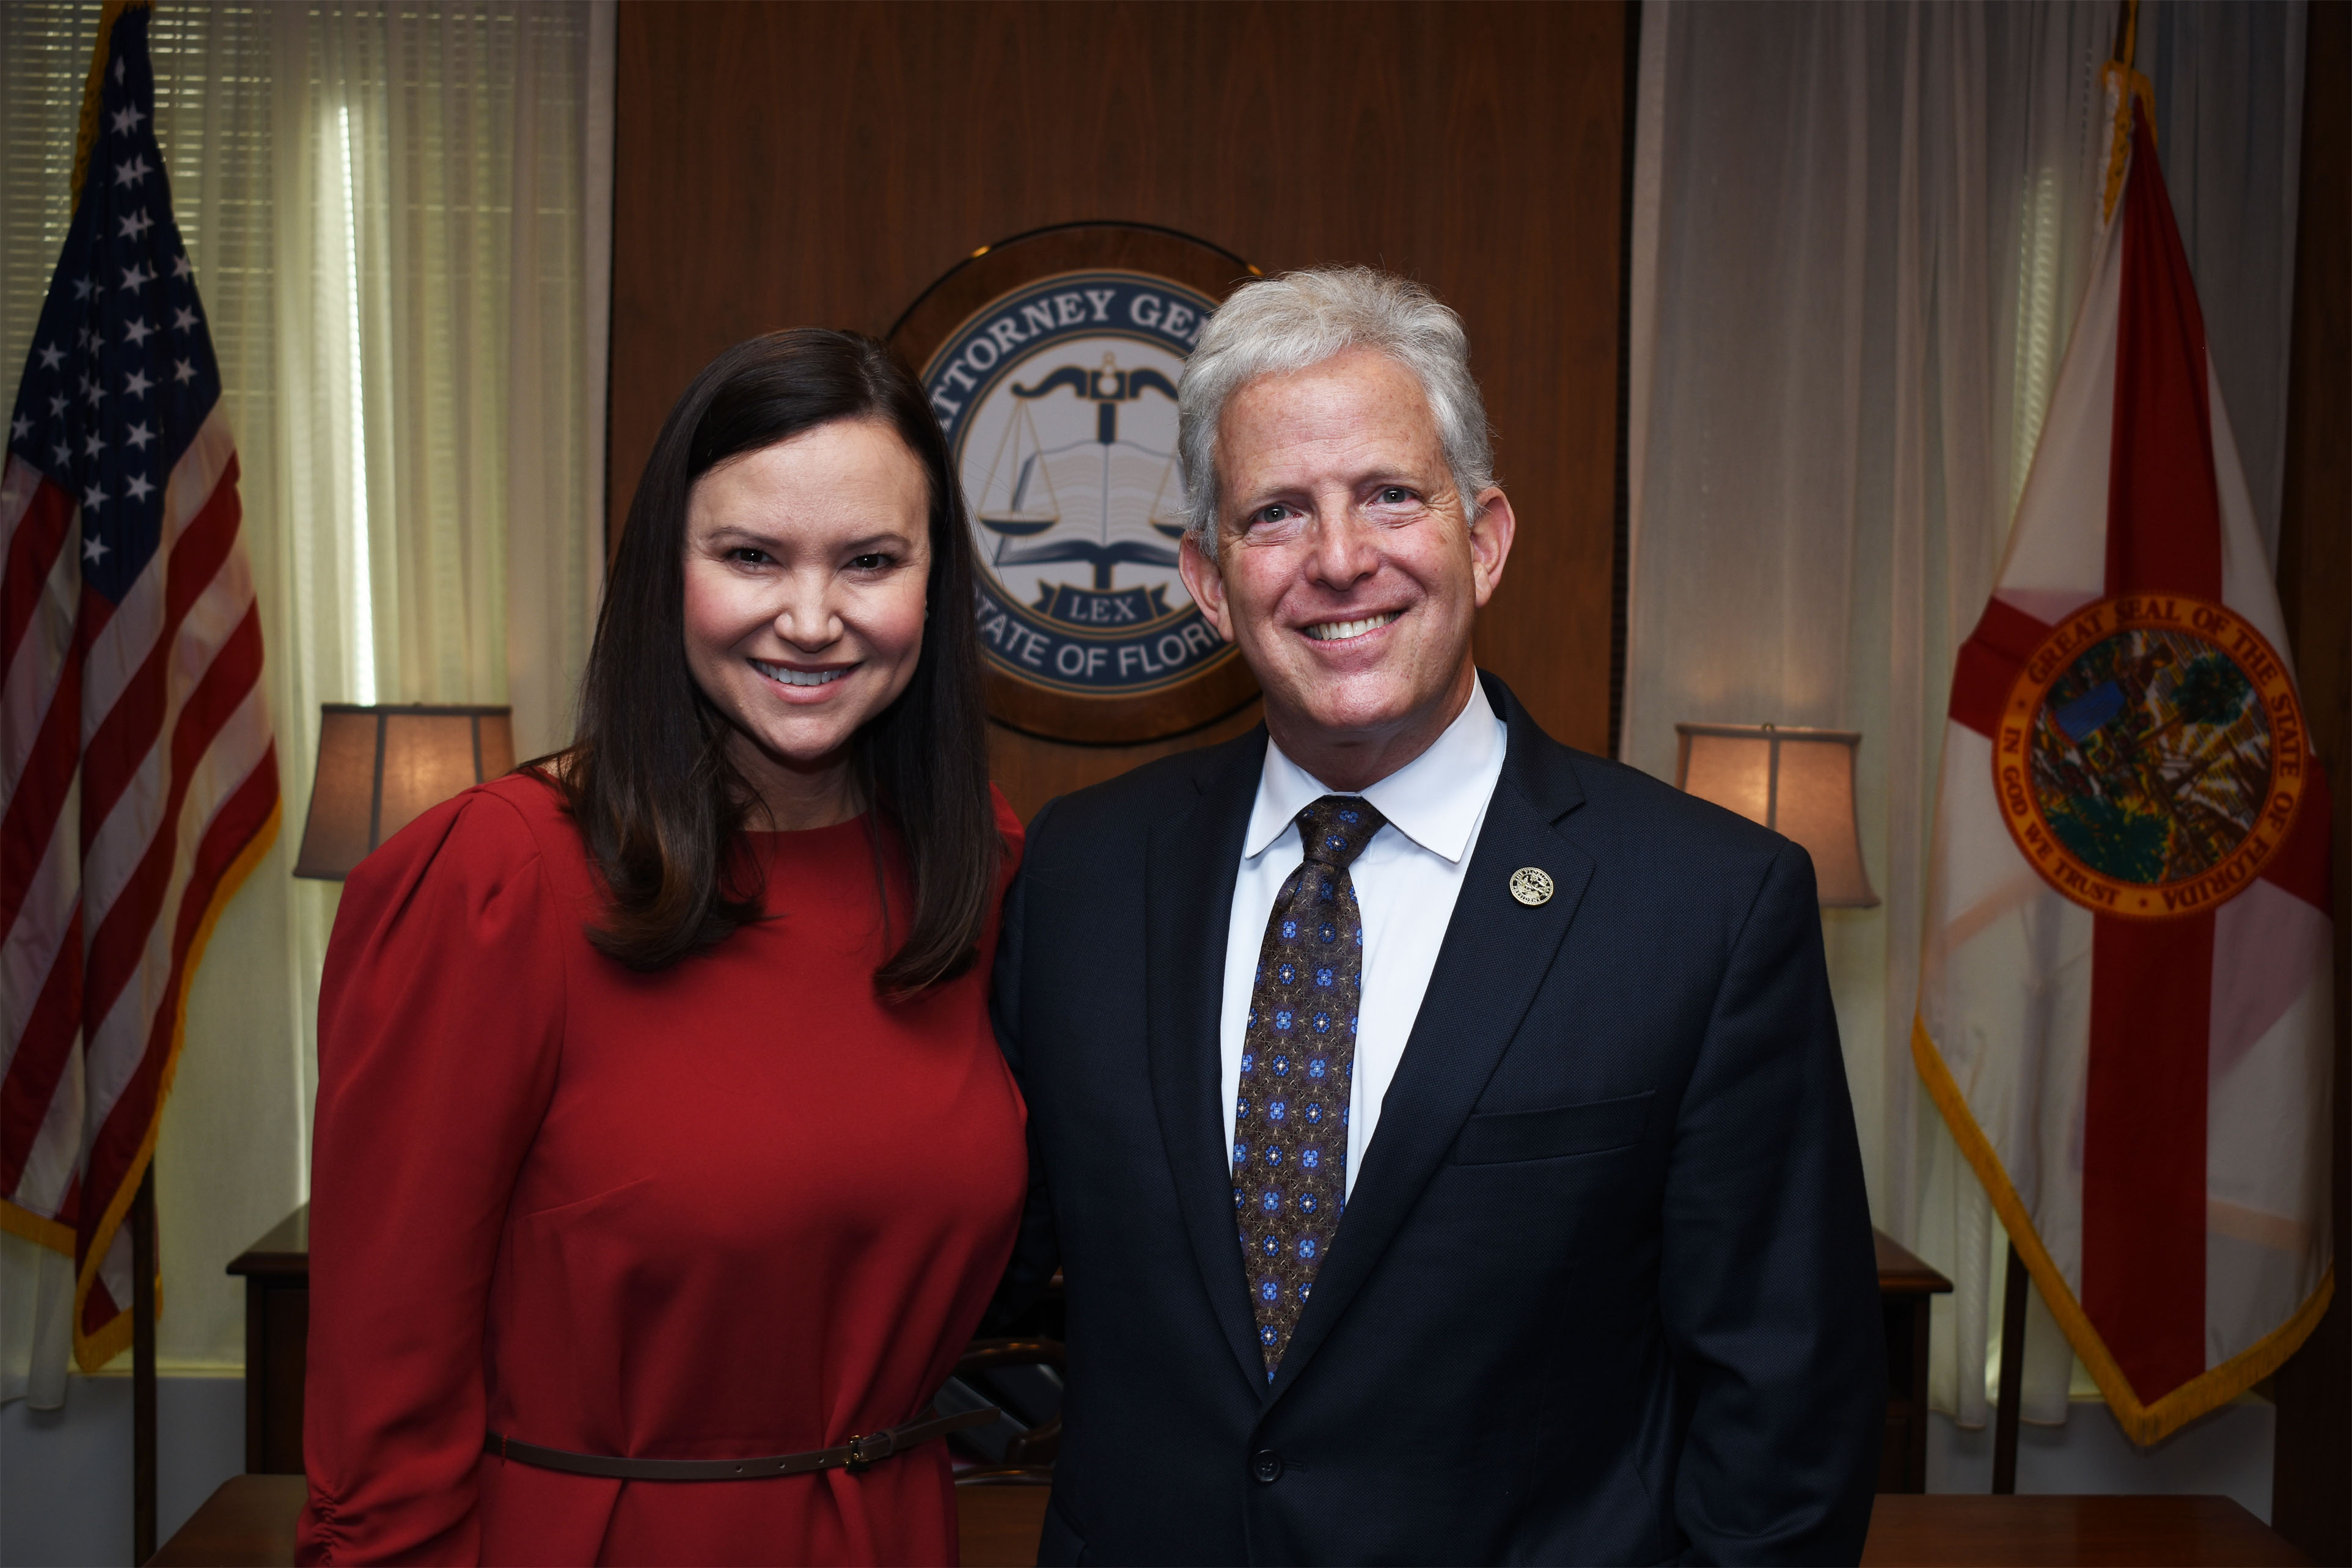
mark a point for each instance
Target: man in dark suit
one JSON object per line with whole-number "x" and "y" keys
{"x": 1442, "y": 1132}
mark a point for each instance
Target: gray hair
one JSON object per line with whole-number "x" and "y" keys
{"x": 1290, "y": 322}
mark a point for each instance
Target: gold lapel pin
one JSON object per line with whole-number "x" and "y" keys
{"x": 1531, "y": 886}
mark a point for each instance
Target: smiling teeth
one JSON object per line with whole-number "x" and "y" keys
{"x": 783, "y": 677}
{"x": 1340, "y": 631}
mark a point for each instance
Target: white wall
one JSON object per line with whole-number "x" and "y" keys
{"x": 64, "y": 1475}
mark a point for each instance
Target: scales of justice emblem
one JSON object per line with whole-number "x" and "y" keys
{"x": 2151, "y": 756}
{"x": 1058, "y": 400}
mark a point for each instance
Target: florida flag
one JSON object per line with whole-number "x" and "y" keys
{"x": 138, "y": 783}
{"x": 2125, "y": 1007}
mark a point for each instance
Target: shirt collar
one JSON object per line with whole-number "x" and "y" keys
{"x": 1434, "y": 800}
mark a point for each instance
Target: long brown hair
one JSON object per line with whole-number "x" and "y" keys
{"x": 647, "y": 776}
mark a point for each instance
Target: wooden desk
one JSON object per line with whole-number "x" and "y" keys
{"x": 277, "y": 1271}
{"x": 251, "y": 1519}
{"x": 1906, "y": 1288}
{"x": 2034, "y": 1531}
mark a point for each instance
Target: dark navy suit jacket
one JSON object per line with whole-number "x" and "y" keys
{"x": 1605, "y": 1290}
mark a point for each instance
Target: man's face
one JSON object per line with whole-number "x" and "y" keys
{"x": 1348, "y": 569}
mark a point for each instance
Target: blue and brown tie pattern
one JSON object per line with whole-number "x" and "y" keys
{"x": 1298, "y": 1060}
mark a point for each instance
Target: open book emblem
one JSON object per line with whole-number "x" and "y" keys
{"x": 1020, "y": 497}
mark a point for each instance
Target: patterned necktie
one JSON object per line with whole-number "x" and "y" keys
{"x": 1298, "y": 1060}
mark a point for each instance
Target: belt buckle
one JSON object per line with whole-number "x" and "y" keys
{"x": 859, "y": 1458}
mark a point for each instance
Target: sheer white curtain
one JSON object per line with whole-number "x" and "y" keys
{"x": 399, "y": 216}
{"x": 441, "y": 162}
{"x": 1860, "y": 235}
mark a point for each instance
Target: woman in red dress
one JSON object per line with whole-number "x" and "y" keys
{"x": 659, "y": 1120}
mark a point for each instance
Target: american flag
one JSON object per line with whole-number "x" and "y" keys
{"x": 138, "y": 781}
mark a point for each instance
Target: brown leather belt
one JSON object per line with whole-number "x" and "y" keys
{"x": 854, "y": 1455}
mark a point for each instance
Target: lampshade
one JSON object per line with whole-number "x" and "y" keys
{"x": 380, "y": 768}
{"x": 1796, "y": 781}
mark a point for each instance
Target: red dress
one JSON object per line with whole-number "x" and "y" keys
{"x": 737, "y": 1207}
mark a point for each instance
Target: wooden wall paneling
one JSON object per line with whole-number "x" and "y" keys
{"x": 822, "y": 163}
{"x": 2311, "y": 1495}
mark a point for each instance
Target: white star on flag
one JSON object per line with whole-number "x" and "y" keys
{"x": 92, "y": 550}
{"x": 181, "y": 266}
{"x": 127, "y": 119}
{"x": 63, "y": 452}
{"x": 92, "y": 498}
{"x": 137, "y": 384}
{"x": 81, "y": 288}
{"x": 56, "y": 406}
{"x": 93, "y": 447}
{"x": 139, "y": 436}
{"x": 131, "y": 173}
{"x": 21, "y": 429}
{"x": 138, "y": 331}
{"x": 182, "y": 371}
{"x": 134, "y": 276}
{"x": 136, "y": 223}
{"x": 184, "y": 320}
{"x": 139, "y": 488}
{"x": 52, "y": 357}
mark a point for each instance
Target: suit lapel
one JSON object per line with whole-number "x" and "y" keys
{"x": 1495, "y": 956}
{"x": 1191, "y": 863}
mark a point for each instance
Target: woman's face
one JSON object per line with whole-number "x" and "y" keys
{"x": 806, "y": 566}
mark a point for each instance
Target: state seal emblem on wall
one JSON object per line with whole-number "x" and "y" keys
{"x": 1055, "y": 385}
{"x": 2151, "y": 756}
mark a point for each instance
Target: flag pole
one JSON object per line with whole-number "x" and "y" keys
{"x": 2013, "y": 1375}
{"x": 142, "y": 1368}
{"x": 142, "y": 1206}
{"x": 2017, "y": 1281}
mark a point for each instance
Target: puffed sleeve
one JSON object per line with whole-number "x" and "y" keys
{"x": 440, "y": 1015}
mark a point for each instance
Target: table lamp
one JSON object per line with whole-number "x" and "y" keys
{"x": 1796, "y": 781}
{"x": 380, "y": 768}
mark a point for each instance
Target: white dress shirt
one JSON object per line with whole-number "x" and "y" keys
{"x": 1406, "y": 881}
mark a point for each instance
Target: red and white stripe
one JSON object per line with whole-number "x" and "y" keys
{"x": 139, "y": 770}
